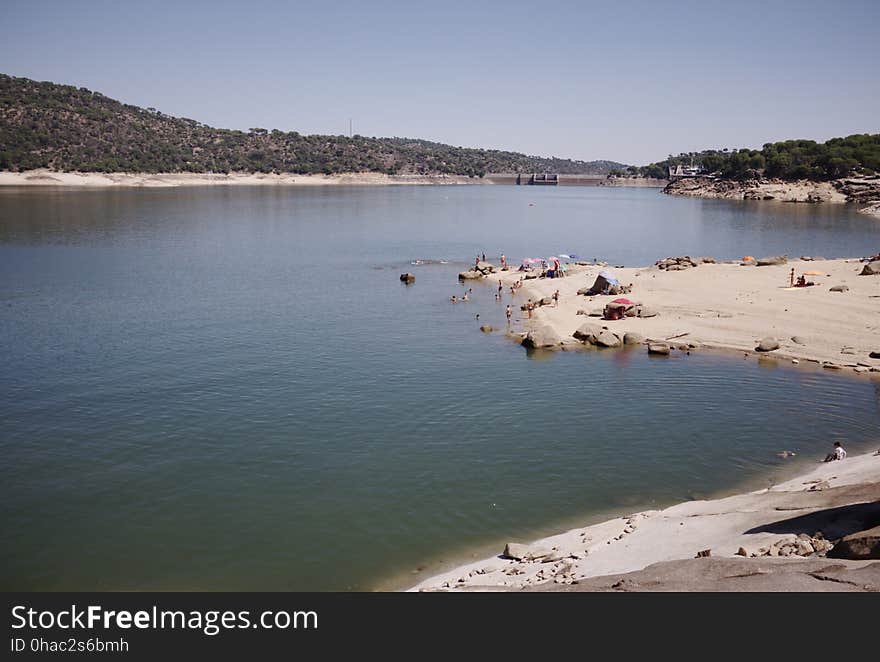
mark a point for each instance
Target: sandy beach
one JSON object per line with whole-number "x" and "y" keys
{"x": 165, "y": 180}
{"x": 726, "y": 306}
{"x": 771, "y": 538}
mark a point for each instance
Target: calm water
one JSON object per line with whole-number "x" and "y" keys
{"x": 229, "y": 388}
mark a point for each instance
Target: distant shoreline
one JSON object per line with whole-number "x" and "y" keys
{"x": 52, "y": 178}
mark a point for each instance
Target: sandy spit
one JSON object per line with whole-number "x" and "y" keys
{"x": 731, "y": 307}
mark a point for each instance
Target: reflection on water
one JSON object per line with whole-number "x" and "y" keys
{"x": 217, "y": 388}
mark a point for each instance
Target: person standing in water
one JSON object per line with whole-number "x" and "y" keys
{"x": 508, "y": 312}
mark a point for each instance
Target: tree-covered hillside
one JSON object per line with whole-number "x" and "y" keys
{"x": 790, "y": 159}
{"x": 45, "y": 125}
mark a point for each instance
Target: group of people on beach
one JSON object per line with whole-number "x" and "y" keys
{"x": 800, "y": 281}
{"x": 513, "y": 288}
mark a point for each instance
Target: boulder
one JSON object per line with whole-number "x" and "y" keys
{"x": 607, "y": 339}
{"x": 542, "y": 336}
{"x": 860, "y": 546}
{"x": 584, "y": 291}
{"x": 520, "y": 552}
{"x": 767, "y": 345}
{"x": 658, "y": 348}
{"x": 871, "y": 269}
{"x": 581, "y": 311}
{"x": 646, "y": 311}
{"x": 407, "y": 278}
{"x": 798, "y": 340}
{"x": 588, "y": 332}
{"x": 874, "y": 355}
{"x": 469, "y": 275}
{"x": 486, "y": 267}
{"x": 772, "y": 260}
{"x": 839, "y": 288}
{"x": 632, "y": 338}
{"x": 487, "y": 328}
{"x": 707, "y": 260}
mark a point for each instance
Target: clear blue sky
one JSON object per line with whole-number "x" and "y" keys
{"x": 628, "y": 81}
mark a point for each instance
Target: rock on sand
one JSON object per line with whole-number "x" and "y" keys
{"x": 767, "y": 345}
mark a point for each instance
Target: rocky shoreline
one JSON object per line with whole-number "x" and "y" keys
{"x": 863, "y": 191}
{"x": 816, "y": 532}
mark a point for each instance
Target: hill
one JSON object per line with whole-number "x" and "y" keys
{"x": 65, "y": 128}
{"x": 789, "y": 160}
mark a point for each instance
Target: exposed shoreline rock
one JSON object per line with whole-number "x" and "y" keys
{"x": 864, "y": 191}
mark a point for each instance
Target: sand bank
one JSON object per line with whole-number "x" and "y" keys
{"x": 123, "y": 179}
{"x": 821, "y": 500}
{"x": 730, "y": 307}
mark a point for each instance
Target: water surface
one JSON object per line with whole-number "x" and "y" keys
{"x": 229, "y": 388}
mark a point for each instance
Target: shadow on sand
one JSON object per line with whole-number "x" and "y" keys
{"x": 832, "y": 522}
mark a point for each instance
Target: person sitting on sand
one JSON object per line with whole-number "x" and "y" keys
{"x": 839, "y": 453}
{"x": 556, "y": 298}
{"x": 803, "y": 282}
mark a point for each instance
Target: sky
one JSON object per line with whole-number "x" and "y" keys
{"x": 620, "y": 80}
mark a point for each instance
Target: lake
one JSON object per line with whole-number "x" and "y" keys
{"x": 228, "y": 388}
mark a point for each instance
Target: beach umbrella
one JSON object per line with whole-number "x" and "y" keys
{"x": 565, "y": 256}
{"x": 623, "y": 301}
